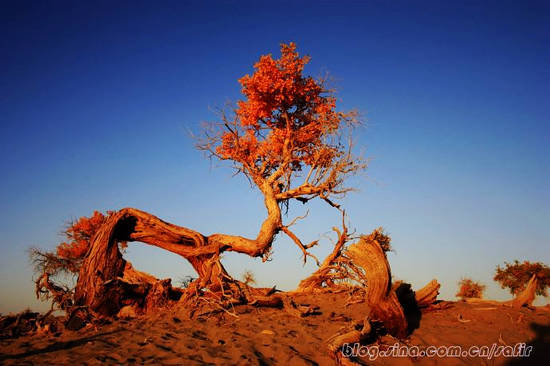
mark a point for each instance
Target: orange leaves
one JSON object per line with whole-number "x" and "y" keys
{"x": 285, "y": 118}
{"x": 470, "y": 289}
{"x": 79, "y": 234}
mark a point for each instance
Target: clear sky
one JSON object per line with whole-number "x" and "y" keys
{"x": 97, "y": 100}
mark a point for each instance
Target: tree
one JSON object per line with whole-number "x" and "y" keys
{"x": 248, "y": 278}
{"x": 286, "y": 129}
{"x": 289, "y": 140}
{"x": 469, "y": 289}
{"x": 515, "y": 276}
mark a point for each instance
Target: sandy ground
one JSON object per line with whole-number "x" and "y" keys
{"x": 273, "y": 337}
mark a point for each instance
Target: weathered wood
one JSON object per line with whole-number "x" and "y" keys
{"x": 368, "y": 255}
{"x": 366, "y": 264}
{"x": 526, "y": 297}
{"x": 355, "y": 334}
{"x": 103, "y": 265}
{"x": 427, "y": 295}
{"x": 106, "y": 281}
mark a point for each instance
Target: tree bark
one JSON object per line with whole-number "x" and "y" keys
{"x": 106, "y": 281}
{"x": 385, "y": 307}
{"x": 427, "y": 295}
{"x": 526, "y": 297}
{"x": 365, "y": 263}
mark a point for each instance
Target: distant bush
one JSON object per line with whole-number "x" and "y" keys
{"x": 248, "y": 277}
{"x": 469, "y": 289}
{"x": 514, "y": 276}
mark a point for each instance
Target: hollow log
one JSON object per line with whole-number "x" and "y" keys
{"x": 526, "y": 297}
{"x": 427, "y": 295}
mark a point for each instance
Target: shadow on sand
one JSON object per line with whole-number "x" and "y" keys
{"x": 540, "y": 355}
{"x": 58, "y": 346}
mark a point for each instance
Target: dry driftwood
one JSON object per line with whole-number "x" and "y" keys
{"x": 106, "y": 282}
{"x": 362, "y": 265}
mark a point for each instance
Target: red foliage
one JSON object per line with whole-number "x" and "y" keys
{"x": 79, "y": 234}
{"x": 516, "y": 275}
{"x": 282, "y": 105}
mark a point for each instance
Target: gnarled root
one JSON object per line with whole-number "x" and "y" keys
{"x": 235, "y": 293}
{"x": 347, "y": 338}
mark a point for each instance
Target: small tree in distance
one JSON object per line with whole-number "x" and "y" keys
{"x": 515, "y": 276}
{"x": 248, "y": 277}
{"x": 469, "y": 289}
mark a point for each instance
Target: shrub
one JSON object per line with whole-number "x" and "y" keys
{"x": 469, "y": 289}
{"x": 248, "y": 277}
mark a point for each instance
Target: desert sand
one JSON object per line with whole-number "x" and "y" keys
{"x": 265, "y": 336}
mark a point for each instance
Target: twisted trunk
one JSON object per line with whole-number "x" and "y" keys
{"x": 369, "y": 256}
{"x": 526, "y": 297}
{"x": 106, "y": 281}
{"x": 365, "y": 263}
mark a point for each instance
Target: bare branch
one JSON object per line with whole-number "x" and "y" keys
{"x": 303, "y": 248}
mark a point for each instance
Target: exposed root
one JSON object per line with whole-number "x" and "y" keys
{"x": 355, "y": 333}
{"x": 236, "y": 293}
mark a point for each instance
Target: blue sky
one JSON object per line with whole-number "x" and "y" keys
{"x": 97, "y": 101}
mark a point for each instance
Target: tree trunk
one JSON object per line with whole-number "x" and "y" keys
{"x": 368, "y": 255}
{"x": 106, "y": 282}
{"x": 365, "y": 263}
{"x": 526, "y": 297}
